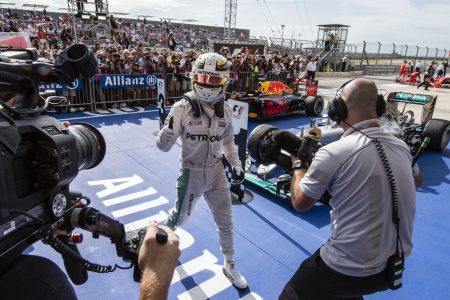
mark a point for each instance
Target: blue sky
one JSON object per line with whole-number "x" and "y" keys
{"x": 412, "y": 22}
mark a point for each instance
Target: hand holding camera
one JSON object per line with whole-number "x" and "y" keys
{"x": 311, "y": 139}
{"x": 159, "y": 251}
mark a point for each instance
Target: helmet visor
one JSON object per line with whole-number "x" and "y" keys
{"x": 208, "y": 79}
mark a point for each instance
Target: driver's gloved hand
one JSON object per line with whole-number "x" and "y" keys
{"x": 238, "y": 174}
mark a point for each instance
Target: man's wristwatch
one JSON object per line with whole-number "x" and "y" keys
{"x": 298, "y": 164}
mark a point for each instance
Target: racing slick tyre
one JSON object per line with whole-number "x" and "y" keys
{"x": 258, "y": 134}
{"x": 314, "y": 105}
{"x": 439, "y": 133}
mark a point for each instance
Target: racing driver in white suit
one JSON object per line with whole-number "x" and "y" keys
{"x": 203, "y": 121}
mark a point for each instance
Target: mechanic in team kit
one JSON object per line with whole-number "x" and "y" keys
{"x": 203, "y": 121}
{"x": 354, "y": 261}
{"x": 404, "y": 68}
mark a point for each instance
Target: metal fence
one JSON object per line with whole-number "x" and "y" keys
{"x": 391, "y": 54}
{"x": 93, "y": 97}
{"x": 366, "y": 53}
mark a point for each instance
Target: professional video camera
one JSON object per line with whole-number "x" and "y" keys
{"x": 270, "y": 145}
{"x": 40, "y": 157}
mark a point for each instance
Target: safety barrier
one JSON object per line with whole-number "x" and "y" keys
{"x": 92, "y": 94}
{"x": 381, "y": 70}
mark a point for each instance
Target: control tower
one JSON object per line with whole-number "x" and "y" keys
{"x": 332, "y": 36}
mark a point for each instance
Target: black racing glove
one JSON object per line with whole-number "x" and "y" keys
{"x": 238, "y": 174}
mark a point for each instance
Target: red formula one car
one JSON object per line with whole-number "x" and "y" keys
{"x": 275, "y": 99}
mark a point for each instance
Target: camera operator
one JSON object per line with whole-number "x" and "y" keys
{"x": 353, "y": 261}
{"x": 40, "y": 278}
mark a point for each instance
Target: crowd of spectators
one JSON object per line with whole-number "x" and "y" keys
{"x": 52, "y": 32}
{"x": 247, "y": 68}
{"x": 142, "y": 48}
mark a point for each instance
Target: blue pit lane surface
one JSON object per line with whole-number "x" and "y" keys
{"x": 271, "y": 239}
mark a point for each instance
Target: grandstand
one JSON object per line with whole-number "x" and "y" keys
{"x": 23, "y": 16}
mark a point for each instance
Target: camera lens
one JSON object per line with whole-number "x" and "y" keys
{"x": 80, "y": 60}
{"x": 91, "y": 146}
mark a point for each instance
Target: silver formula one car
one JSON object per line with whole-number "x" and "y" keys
{"x": 398, "y": 120}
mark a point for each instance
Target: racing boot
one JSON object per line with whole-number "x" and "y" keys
{"x": 229, "y": 269}
{"x": 169, "y": 222}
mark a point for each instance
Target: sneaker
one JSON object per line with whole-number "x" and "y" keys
{"x": 229, "y": 269}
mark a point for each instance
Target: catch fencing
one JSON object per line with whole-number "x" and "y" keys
{"x": 360, "y": 54}
{"x": 393, "y": 54}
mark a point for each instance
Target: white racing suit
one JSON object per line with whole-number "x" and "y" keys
{"x": 204, "y": 139}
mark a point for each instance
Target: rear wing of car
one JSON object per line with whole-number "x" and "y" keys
{"x": 428, "y": 102}
{"x": 419, "y": 99}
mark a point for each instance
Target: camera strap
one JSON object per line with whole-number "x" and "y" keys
{"x": 395, "y": 263}
{"x": 197, "y": 109}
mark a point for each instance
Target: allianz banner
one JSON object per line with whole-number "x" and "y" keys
{"x": 124, "y": 80}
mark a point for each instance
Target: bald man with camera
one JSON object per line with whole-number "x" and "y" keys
{"x": 367, "y": 172}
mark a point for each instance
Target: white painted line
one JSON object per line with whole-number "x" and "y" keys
{"x": 108, "y": 115}
{"x": 129, "y": 197}
{"x": 140, "y": 207}
{"x": 101, "y": 111}
{"x": 160, "y": 217}
{"x": 126, "y": 109}
{"x": 393, "y": 85}
{"x": 116, "y": 111}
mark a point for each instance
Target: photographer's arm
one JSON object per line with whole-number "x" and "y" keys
{"x": 418, "y": 180}
{"x": 308, "y": 186}
{"x": 418, "y": 177}
{"x": 300, "y": 201}
{"x": 158, "y": 263}
{"x": 300, "y": 165}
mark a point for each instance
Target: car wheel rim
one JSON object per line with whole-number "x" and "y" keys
{"x": 318, "y": 106}
{"x": 445, "y": 138}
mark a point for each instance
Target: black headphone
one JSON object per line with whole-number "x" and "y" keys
{"x": 337, "y": 109}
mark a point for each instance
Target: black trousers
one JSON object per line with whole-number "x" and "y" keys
{"x": 310, "y": 75}
{"x": 424, "y": 83}
{"x": 32, "y": 277}
{"x": 314, "y": 280}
